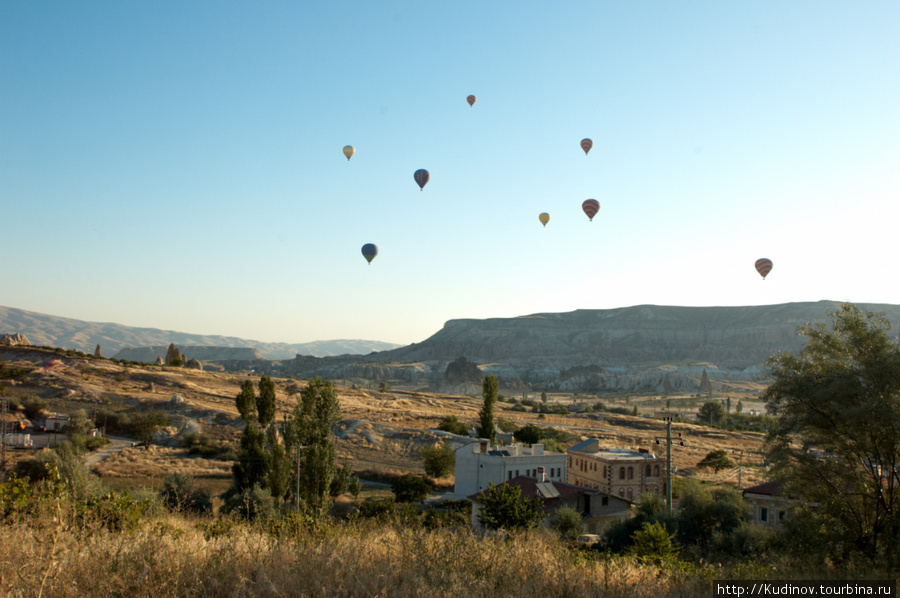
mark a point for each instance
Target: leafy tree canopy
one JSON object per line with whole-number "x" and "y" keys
{"x": 716, "y": 460}
{"x": 836, "y": 440}
{"x": 504, "y": 507}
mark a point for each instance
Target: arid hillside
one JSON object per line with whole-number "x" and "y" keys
{"x": 382, "y": 433}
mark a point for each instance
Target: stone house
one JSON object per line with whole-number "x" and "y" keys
{"x": 625, "y": 473}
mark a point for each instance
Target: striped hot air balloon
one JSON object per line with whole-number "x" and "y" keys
{"x": 369, "y": 251}
{"x": 544, "y": 218}
{"x": 586, "y": 145}
{"x": 471, "y": 100}
{"x": 763, "y": 266}
{"x": 422, "y": 177}
{"x": 591, "y": 207}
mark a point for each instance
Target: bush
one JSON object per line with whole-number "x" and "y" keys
{"x": 180, "y": 493}
{"x": 411, "y": 489}
{"x": 652, "y": 543}
{"x": 250, "y": 504}
{"x": 34, "y": 407}
{"x": 449, "y": 513}
{"x": 567, "y": 522}
{"x": 382, "y": 509}
{"x": 454, "y": 426}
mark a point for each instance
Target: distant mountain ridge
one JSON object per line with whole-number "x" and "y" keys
{"x": 643, "y": 347}
{"x": 69, "y": 333}
{"x": 730, "y": 337}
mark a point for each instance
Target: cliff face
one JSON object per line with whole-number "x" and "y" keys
{"x": 730, "y": 337}
{"x": 642, "y": 348}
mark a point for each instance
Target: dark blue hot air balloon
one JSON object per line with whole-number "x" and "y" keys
{"x": 369, "y": 251}
{"x": 422, "y": 177}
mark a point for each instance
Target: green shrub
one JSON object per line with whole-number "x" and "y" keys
{"x": 383, "y": 509}
{"x": 567, "y": 522}
{"x": 181, "y": 494}
{"x": 454, "y": 426}
{"x": 115, "y": 512}
{"x": 250, "y": 504}
{"x": 411, "y": 489}
{"x": 652, "y": 543}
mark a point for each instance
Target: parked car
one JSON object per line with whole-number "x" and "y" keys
{"x": 587, "y": 540}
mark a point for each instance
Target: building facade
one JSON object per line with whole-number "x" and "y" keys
{"x": 768, "y": 505}
{"x": 478, "y": 465}
{"x": 624, "y": 473}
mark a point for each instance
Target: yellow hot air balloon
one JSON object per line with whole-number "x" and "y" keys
{"x": 349, "y": 150}
{"x": 544, "y": 218}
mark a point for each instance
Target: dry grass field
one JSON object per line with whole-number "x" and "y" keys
{"x": 381, "y": 433}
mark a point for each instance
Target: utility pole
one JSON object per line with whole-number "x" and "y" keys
{"x": 740, "y": 466}
{"x": 5, "y": 407}
{"x": 668, "y": 439}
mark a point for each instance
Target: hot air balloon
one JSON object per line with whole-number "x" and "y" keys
{"x": 763, "y": 266}
{"x": 471, "y": 100}
{"x": 591, "y": 207}
{"x": 349, "y": 150}
{"x": 422, "y": 177}
{"x": 369, "y": 251}
{"x": 544, "y": 218}
{"x": 586, "y": 145}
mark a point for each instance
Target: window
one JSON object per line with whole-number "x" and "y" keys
{"x": 764, "y": 514}
{"x": 604, "y": 501}
{"x": 630, "y": 494}
{"x": 631, "y": 473}
{"x": 780, "y": 515}
{"x": 621, "y": 473}
{"x": 510, "y": 475}
{"x": 656, "y": 470}
{"x": 647, "y": 471}
{"x": 622, "y": 492}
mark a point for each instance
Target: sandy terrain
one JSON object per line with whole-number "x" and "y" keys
{"x": 380, "y": 432}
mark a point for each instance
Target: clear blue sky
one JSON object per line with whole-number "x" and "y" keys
{"x": 178, "y": 165}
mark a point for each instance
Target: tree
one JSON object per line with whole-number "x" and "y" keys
{"x": 145, "y": 425}
{"x": 529, "y": 434}
{"x": 78, "y": 426}
{"x": 410, "y": 488}
{"x": 252, "y": 465}
{"x": 711, "y": 412}
{"x": 309, "y": 430}
{"x": 266, "y": 401}
{"x": 716, "y": 460}
{"x": 246, "y": 401}
{"x": 504, "y": 507}
{"x": 489, "y": 389}
{"x": 836, "y": 440}
{"x": 439, "y": 460}
{"x": 703, "y": 514}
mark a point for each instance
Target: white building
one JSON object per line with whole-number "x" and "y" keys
{"x": 478, "y": 465}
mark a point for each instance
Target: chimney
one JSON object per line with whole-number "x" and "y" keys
{"x": 485, "y": 445}
{"x": 537, "y": 450}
